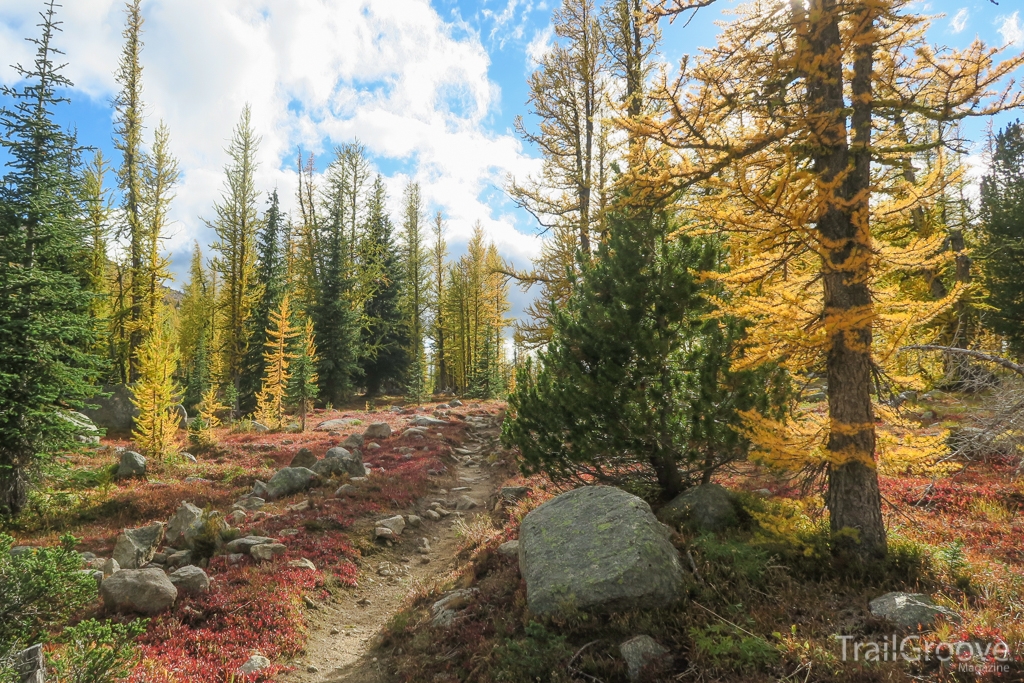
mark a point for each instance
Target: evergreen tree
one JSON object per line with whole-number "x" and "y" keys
{"x": 159, "y": 175}
{"x": 277, "y": 358}
{"x": 270, "y": 283}
{"x": 45, "y": 329}
{"x": 335, "y": 321}
{"x": 235, "y": 226}
{"x": 1002, "y": 210}
{"x": 156, "y": 393}
{"x": 417, "y": 284}
{"x": 302, "y": 387}
{"x": 385, "y": 340}
{"x": 634, "y": 387}
{"x": 437, "y": 294}
{"x": 195, "y": 337}
{"x": 98, "y": 210}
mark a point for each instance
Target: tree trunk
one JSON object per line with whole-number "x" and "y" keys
{"x": 853, "y": 499}
{"x": 13, "y": 490}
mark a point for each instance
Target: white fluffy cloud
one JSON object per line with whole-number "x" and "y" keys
{"x": 959, "y": 21}
{"x": 1011, "y": 30}
{"x": 317, "y": 73}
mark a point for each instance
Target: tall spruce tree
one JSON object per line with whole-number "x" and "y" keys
{"x": 417, "y": 283}
{"x": 271, "y": 265}
{"x": 437, "y": 293}
{"x": 1002, "y": 211}
{"x": 385, "y": 339}
{"x": 45, "y": 329}
{"x": 634, "y": 388}
{"x": 335, "y": 320}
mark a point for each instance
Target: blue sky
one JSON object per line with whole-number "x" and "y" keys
{"x": 431, "y": 87}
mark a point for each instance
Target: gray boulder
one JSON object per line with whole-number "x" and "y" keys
{"x": 135, "y": 547}
{"x": 509, "y": 549}
{"x": 455, "y": 403}
{"x": 184, "y": 526}
{"x": 353, "y": 441}
{"x": 708, "y": 507}
{"x": 190, "y": 580}
{"x": 116, "y": 413}
{"x": 288, "y": 481}
{"x": 424, "y": 421}
{"x": 247, "y": 543}
{"x": 515, "y": 493}
{"x": 643, "y": 654}
{"x": 30, "y": 665}
{"x": 255, "y": 664}
{"x": 259, "y": 489}
{"x": 146, "y": 591}
{"x": 304, "y": 458}
{"x": 131, "y": 465}
{"x": 597, "y": 548}
{"x": 396, "y": 524}
{"x": 333, "y": 425}
{"x": 265, "y": 552}
{"x": 910, "y": 610}
{"x": 377, "y": 430}
{"x": 340, "y": 461}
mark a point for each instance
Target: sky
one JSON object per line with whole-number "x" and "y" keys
{"x": 430, "y": 87}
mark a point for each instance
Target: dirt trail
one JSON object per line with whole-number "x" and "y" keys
{"x": 343, "y": 630}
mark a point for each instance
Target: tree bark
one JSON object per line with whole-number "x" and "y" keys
{"x": 13, "y": 491}
{"x": 853, "y": 498}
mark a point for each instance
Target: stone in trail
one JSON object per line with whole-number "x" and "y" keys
{"x": 131, "y": 465}
{"x": 466, "y": 503}
{"x": 597, "y": 548}
{"x": 289, "y": 480}
{"x": 146, "y": 591}
{"x": 396, "y": 524}
{"x": 377, "y": 430}
{"x": 643, "y": 654}
{"x": 304, "y": 458}
{"x": 190, "y": 580}
{"x": 135, "y": 547}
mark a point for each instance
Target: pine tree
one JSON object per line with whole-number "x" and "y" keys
{"x": 1002, "y": 211}
{"x": 235, "y": 226}
{"x": 277, "y": 357}
{"x": 437, "y": 295}
{"x": 417, "y": 284}
{"x": 156, "y": 393}
{"x": 99, "y": 271}
{"x": 385, "y": 339}
{"x": 634, "y": 388}
{"x": 335, "y": 321}
{"x": 159, "y": 175}
{"x": 270, "y": 283}
{"x": 44, "y": 313}
{"x": 196, "y": 332}
{"x": 128, "y": 141}
{"x": 302, "y": 387}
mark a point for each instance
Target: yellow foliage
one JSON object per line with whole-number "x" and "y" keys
{"x": 156, "y": 393}
{"x": 904, "y": 449}
{"x": 270, "y": 399}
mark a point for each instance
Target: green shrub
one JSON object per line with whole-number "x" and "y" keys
{"x": 39, "y": 589}
{"x": 538, "y": 656}
{"x": 97, "y": 652}
{"x": 726, "y": 647}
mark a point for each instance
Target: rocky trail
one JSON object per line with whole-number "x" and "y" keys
{"x": 343, "y": 630}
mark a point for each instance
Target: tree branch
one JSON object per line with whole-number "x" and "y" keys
{"x": 1008, "y": 364}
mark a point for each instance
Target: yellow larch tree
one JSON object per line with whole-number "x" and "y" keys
{"x": 156, "y": 393}
{"x": 793, "y": 127}
{"x": 271, "y": 397}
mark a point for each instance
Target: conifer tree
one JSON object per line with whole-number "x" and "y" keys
{"x": 45, "y": 329}
{"x": 437, "y": 297}
{"x": 385, "y": 338}
{"x": 159, "y": 175}
{"x": 1002, "y": 211}
{"x": 196, "y": 331}
{"x": 302, "y": 387}
{"x": 417, "y": 284}
{"x": 277, "y": 357}
{"x": 335, "y": 321}
{"x": 156, "y": 393}
{"x": 236, "y": 224}
{"x": 129, "y": 126}
{"x": 270, "y": 283}
{"x": 99, "y": 272}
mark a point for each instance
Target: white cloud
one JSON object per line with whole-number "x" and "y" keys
{"x": 539, "y": 46}
{"x": 1011, "y": 30}
{"x": 959, "y": 22}
{"x": 317, "y": 73}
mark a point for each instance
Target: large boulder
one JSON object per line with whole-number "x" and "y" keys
{"x": 30, "y": 665}
{"x": 289, "y": 480}
{"x": 597, "y": 548}
{"x": 135, "y": 547}
{"x": 304, "y": 458}
{"x": 334, "y": 425}
{"x": 377, "y": 430}
{"x": 146, "y": 591}
{"x": 131, "y": 465}
{"x": 116, "y": 413}
{"x": 704, "y": 508}
{"x": 353, "y": 441}
{"x": 340, "y": 461}
{"x": 190, "y": 580}
{"x": 184, "y": 526}
{"x": 910, "y": 610}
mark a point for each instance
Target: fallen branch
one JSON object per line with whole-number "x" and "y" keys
{"x": 1008, "y": 364}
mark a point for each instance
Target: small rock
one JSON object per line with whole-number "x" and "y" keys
{"x": 384, "y": 533}
{"x": 132, "y": 464}
{"x": 304, "y": 458}
{"x": 235, "y": 558}
{"x": 346, "y": 490}
{"x": 300, "y": 507}
{"x": 445, "y": 610}
{"x": 929, "y": 415}
{"x": 432, "y": 515}
{"x": 364, "y": 602}
{"x": 339, "y": 461}
{"x": 353, "y": 441}
{"x": 372, "y": 446}
{"x": 266, "y": 552}
{"x": 377, "y": 430}
{"x": 179, "y": 559}
{"x": 191, "y": 458}
{"x": 509, "y": 549}
{"x": 237, "y": 517}
{"x": 414, "y": 521}
{"x": 396, "y": 524}
{"x": 190, "y": 580}
{"x": 247, "y": 543}
{"x": 259, "y": 489}
{"x": 414, "y": 433}
{"x": 466, "y": 503}
{"x": 302, "y": 563}
{"x": 424, "y": 421}
{"x": 515, "y": 493}
{"x": 423, "y": 546}
{"x": 147, "y": 591}
{"x": 136, "y": 547}
{"x": 256, "y": 663}
{"x": 455, "y": 403}
{"x": 289, "y": 480}
{"x": 95, "y": 574}
{"x": 708, "y": 507}
{"x": 110, "y": 567}
{"x": 642, "y": 654}
{"x": 250, "y": 503}
{"x": 910, "y": 610}
{"x": 184, "y": 525}
{"x": 312, "y": 669}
